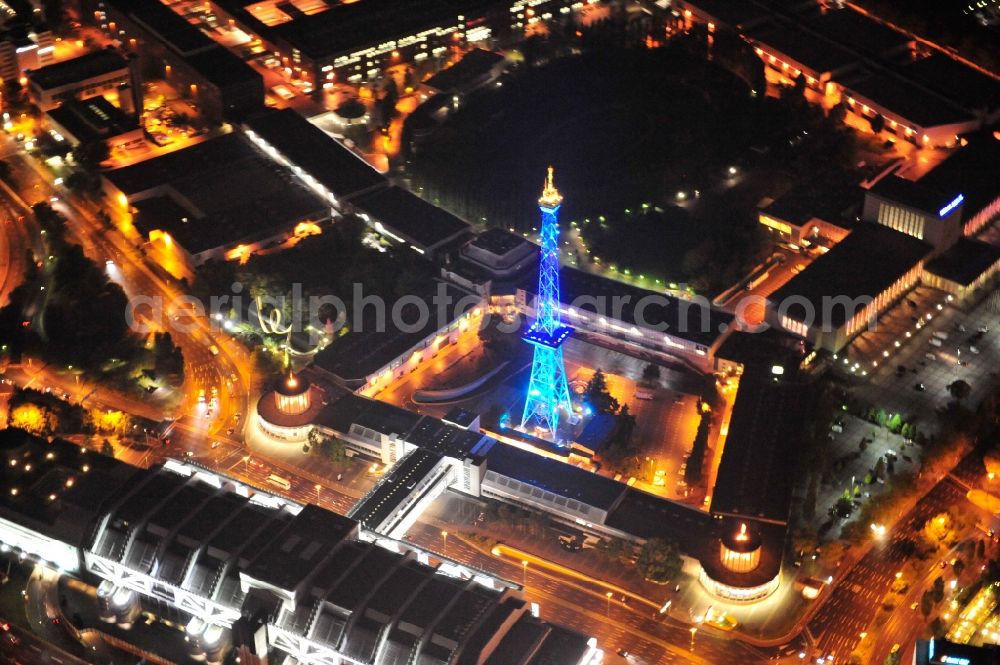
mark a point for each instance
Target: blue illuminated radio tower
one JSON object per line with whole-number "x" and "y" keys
{"x": 547, "y": 391}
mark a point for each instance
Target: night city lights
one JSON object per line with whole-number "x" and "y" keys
{"x": 534, "y": 332}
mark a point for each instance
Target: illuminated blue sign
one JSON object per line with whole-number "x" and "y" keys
{"x": 955, "y": 660}
{"x": 957, "y": 201}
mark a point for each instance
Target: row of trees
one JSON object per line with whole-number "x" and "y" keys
{"x": 601, "y": 401}
{"x": 45, "y": 414}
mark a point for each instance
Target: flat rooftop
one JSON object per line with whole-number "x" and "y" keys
{"x": 474, "y": 64}
{"x": 173, "y": 30}
{"x": 216, "y": 193}
{"x": 499, "y": 241}
{"x": 343, "y": 28}
{"x": 559, "y": 478}
{"x": 854, "y": 31}
{"x": 646, "y": 515}
{"x": 831, "y": 199}
{"x": 419, "y": 222}
{"x": 87, "y": 66}
{"x": 971, "y": 171}
{"x": 213, "y": 62}
{"x": 809, "y": 50}
{"x": 921, "y": 195}
{"x": 393, "y": 488}
{"x": 362, "y": 352}
{"x": 94, "y": 119}
{"x": 864, "y": 264}
{"x": 39, "y": 470}
{"x": 734, "y": 13}
{"x": 343, "y": 173}
{"x": 298, "y": 548}
{"x": 765, "y": 428}
{"x": 382, "y": 417}
{"x": 964, "y": 85}
{"x": 439, "y": 437}
{"x": 965, "y": 261}
{"x": 891, "y": 90}
{"x": 681, "y": 318}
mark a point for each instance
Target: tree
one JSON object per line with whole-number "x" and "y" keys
{"x": 622, "y": 438}
{"x": 939, "y": 530}
{"x": 33, "y": 418}
{"x": 894, "y": 422}
{"x": 107, "y": 449}
{"x": 843, "y": 507}
{"x": 838, "y": 113}
{"x": 937, "y": 590}
{"x": 959, "y": 389}
{"x": 332, "y": 448}
{"x": 877, "y": 123}
{"x": 659, "y": 561}
{"x": 598, "y": 396}
{"x": 696, "y": 460}
{"x": 614, "y": 548}
{"x": 926, "y": 603}
{"x": 959, "y": 567}
{"x": 167, "y": 357}
{"x": 879, "y": 471}
{"x": 90, "y": 155}
{"x": 981, "y": 549}
{"x": 893, "y": 658}
{"x": 651, "y": 372}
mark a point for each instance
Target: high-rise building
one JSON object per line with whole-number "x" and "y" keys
{"x": 547, "y": 391}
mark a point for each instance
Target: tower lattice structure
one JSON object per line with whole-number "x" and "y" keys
{"x": 548, "y": 391}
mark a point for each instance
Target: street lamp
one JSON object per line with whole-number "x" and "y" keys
{"x": 444, "y": 537}
{"x": 318, "y": 488}
{"x": 246, "y": 462}
{"x": 607, "y": 612}
{"x": 694, "y": 631}
{"x": 524, "y": 573}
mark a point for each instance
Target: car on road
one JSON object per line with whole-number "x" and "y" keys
{"x": 920, "y": 387}
{"x": 895, "y": 648}
{"x": 215, "y": 444}
{"x": 974, "y": 350}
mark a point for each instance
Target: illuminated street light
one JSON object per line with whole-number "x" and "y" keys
{"x": 524, "y": 573}
{"x": 444, "y": 537}
{"x": 607, "y": 612}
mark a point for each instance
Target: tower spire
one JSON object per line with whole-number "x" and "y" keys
{"x": 548, "y": 391}
{"x": 551, "y": 197}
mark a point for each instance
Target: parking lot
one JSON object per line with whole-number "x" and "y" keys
{"x": 921, "y": 388}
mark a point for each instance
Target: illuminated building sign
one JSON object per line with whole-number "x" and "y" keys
{"x": 954, "y": 660}
{"x": 957, "y": 201}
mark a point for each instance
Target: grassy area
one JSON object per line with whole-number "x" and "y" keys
{"x": 11, "y": 600}
{"x": 626, "y": 130}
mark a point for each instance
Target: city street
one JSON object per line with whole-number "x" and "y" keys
{"x": 853, "y": 600}
{"x": 616, "y": 626}
{"x": 212, "y": 358}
